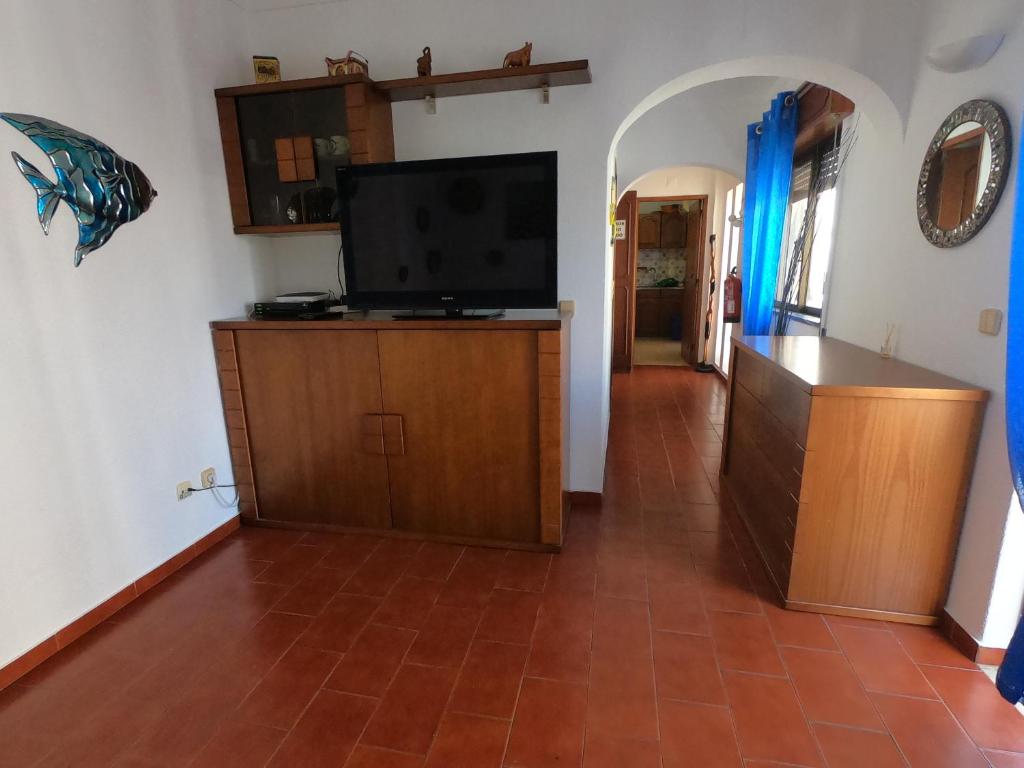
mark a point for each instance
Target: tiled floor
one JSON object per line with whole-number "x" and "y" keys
{"x": 650, "y": 641}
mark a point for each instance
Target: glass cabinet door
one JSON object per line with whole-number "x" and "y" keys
{"x": 291, "y": 144}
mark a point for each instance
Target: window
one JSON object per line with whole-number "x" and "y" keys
{"x": 807, "y": 244}
{"x": 730, "y": 257}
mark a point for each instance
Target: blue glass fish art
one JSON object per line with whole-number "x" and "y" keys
{"x": 101, "y": 187}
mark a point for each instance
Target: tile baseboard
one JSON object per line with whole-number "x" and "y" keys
{"x": 62, "y": 638}
{"x": 967, "y": 645}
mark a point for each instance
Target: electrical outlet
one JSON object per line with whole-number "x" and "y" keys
{"x": 208, "y": 477}
{"x": 184, "y": 490}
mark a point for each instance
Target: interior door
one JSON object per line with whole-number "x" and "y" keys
{"x": 624, "y": 287}
{"x": 691, "y": 299}
{"x": 468, "y": 402}
{"x": 315, "y": 456}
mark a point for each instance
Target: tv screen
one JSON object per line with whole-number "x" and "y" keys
{"x": 462, "y": 233}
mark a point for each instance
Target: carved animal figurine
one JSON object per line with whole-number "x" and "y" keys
{"x": 519, "y": 57}
{"x": 423, "y": 63}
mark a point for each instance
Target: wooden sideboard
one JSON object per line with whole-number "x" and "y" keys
{"x": 851, "y": 472}
{"x": 454, "y": 430}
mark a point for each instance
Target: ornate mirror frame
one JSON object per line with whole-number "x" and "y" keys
{"x": 997, "y": 126}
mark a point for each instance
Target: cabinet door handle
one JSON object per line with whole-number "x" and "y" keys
{"x": 373, "y": 434}
{"x": 393, "y": 426}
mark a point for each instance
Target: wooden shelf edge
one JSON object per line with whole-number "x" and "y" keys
{"x": 269, "y": 230}
{"x": 555, "y": 74}
{"x": 283, "y": 86}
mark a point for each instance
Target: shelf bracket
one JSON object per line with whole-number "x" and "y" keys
{"x": 431, "y": 105}
{"x": 545, "y": 94}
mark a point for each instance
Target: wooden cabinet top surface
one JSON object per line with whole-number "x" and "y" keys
{"x": 838, "y": 368}
{"x": 514, "y": 320}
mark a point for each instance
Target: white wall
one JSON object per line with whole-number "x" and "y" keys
{"x": 634, "y": 50}
{"x": 885, "y": 271}
{"x": 108, "y": 396}
{"x": 703, "y": 126}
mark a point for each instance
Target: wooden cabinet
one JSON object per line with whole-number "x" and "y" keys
{"x": 471, "y": 430}
{"x": 649, "y": 230}
{"x": 453, "y": 433}
{"x": 305, "y": 398}
{"x": 850, "y": 472}
{"x": 655, "y": 310}
{"x": 673, "y": 230}
{"x": 283, "y": 142}
{"x": 648, "y": 305}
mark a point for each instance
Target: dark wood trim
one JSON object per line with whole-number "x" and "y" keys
{"x": 397, "y": 533}
{"x": 671, "y": 199}
{"x": 488, "y": 81}
{"x": 62, "y": 638}
{"x": 624, "y": 298}
{"x": 964, "y": 642}
{"x": 962, "y": 138}
{"x": 821, "y": 110}
{"x": 234, "y": 163}
{"x": 287, "y": 229}
{"x": 389, "y": 323}
{"x": 283, "y": 86}
{"x": 585, "y": 498}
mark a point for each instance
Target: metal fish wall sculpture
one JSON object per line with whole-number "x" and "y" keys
{"x": 101, "y": 187}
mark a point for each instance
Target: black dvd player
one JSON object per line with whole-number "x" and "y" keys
{"x": 284, "y": 309}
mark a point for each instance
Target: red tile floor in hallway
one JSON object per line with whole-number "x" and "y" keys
{"x": 650, "y": 641}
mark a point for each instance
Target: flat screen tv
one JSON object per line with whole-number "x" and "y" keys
{"x": 454, "y": 234}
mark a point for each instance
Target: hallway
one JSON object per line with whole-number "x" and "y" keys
{"x": 651, "y": 640}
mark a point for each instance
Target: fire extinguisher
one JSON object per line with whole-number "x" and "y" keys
{"x": 733, "y": 297}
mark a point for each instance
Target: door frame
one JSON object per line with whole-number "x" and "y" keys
{"x": 698, "y": 330}
{"x": 624, "y": 296}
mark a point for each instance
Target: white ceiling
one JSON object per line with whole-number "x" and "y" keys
{"x": 267, "y": 5}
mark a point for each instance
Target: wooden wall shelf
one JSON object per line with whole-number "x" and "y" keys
{"x": 488, "y": 81}
{"x": 287, "y": 229}
{"x": 287, "y": 86}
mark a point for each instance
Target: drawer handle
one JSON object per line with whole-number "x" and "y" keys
{"x": 797, "y": 472}
{"x": 794, "y": 498}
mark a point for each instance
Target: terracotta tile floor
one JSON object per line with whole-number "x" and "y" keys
{"x": 650, "y": 641}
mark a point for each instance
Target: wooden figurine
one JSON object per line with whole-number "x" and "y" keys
{"x": 423, "y": 63}
{"x": 519, "y": 57}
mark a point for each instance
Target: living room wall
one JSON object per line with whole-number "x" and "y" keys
{"x": 632, "y": 53}
{"x": 884, "y": 271}
{"x": 108, "y": 393}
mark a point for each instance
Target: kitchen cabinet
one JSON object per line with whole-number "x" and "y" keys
{"x": 673, "y": 230}
{"x": 649, "y": 230}
{"x": 655, "y": 308}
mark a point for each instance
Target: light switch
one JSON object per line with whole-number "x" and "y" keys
{"x": 990, "y": 321}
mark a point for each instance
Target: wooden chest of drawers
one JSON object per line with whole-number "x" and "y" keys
{"x": 850, "y": 472}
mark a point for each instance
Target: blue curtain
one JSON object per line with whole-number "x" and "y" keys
{"x": 766, "y": 201}
{"x": 1010, "y": 679}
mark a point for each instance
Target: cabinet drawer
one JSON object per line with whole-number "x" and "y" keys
{"x": 765, "y": 511}
{"x": 763, "y": 496}
{"x": 787, "y": 403}
{"x": 749, "y": 371}
{"x": 775, "y": 442}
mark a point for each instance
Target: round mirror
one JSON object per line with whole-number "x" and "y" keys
{"x": 963, "y": 173}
